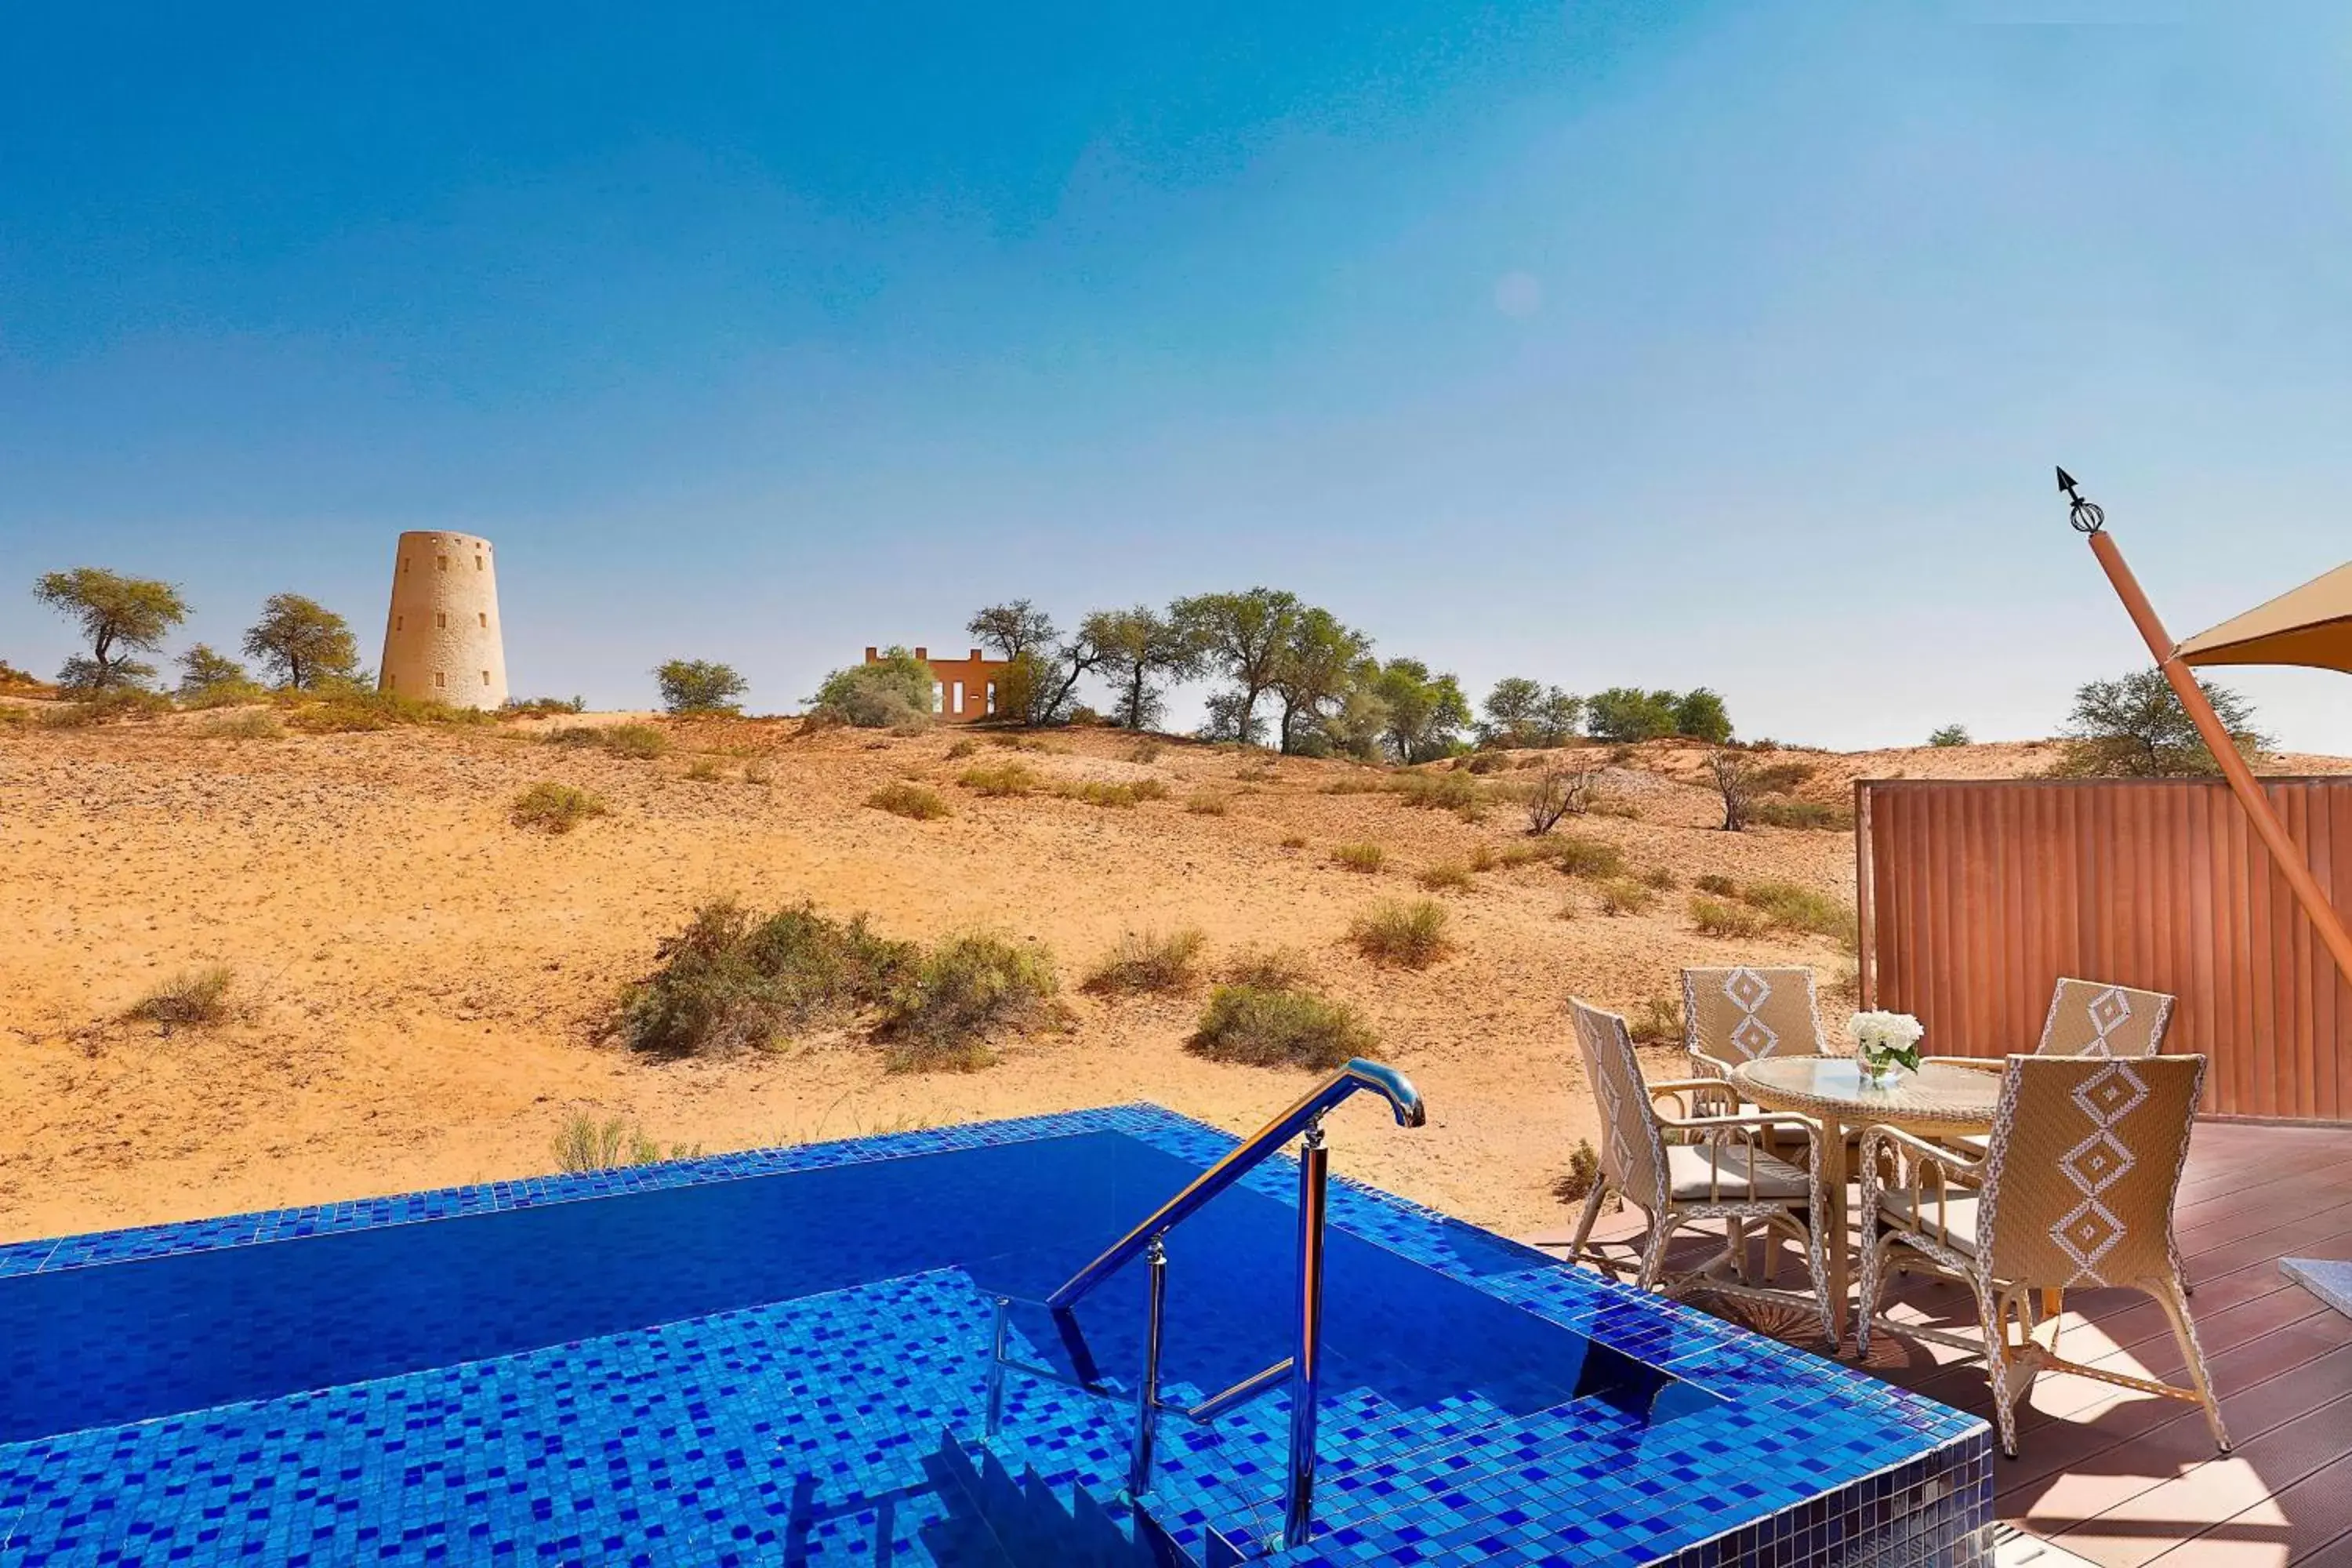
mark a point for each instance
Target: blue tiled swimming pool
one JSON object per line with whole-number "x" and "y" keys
{"x": 781, "y": 1357}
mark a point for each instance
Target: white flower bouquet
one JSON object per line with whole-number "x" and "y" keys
{"x": 1884, "y": 1040}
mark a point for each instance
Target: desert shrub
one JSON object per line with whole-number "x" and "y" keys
{"x": 1587, "y": 856}
{"x": 896, "y": 690}
{"x": 1151, "y": 789}
{"x": 1096, "y": 791}
{"x": 1794, "y": 908}
{"x": 1269, "y": 969}
{"x": 911, "y": 800}
{"x": 1003, "y": 779}
{"x": 1514, "y": 856}
{"x": 108, "y": 705}
{"x": 1358, "y": 783}
{"x": 1411, "y": 936}
{"x": 542, "y": 707}
{"x": 727, "y": 981}
{"x": 1207, "y": 802}
{"x": 1805, "y": 814}
{"x": 2136, "y": 727}
{"x": 554, "y": 807}
{"x": 1446, "y": 877}
{"x": 699, "y": 686}
{"x": 1583, "y": 1173}
{"x": 1485, "y": 763}
{"x": 1660, "y": 877}
{"x": 1294, "y": 841}
{"x": 1279, "y": 1026}
{"x": 1625, "y": 896}
{"x": 1714, "y": 882}
{"x": 1714, "y": 917}
{"x": 1144, "y": 751}
{"x": 1657, "y": 1021}
{"x": 1446, "y": 791}
{"x": 1364, "y": 857}
{"x": 254, "y": 724}
{"x": 193, "y": 999}
{"x": 1482, "y": 857}
{"x": 1012, "y": 742}
{"x": 1146, "y": 961}
{"x": 703, "y": 770}
{"x": 967, "y": 989}
{"x": 642, "y": 742}
{"x": 1559, "y": 792}
{"x": 1569, "y": 910}
{"x": 963, "y": 749}
{"x": 584, "y": 1143}
{"x": 1615, "y": 806}
{"x": 1949, "y": 735}
{"x": 759, "y": 771}
{"x": 341, "y": 708}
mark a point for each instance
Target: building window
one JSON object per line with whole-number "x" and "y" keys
{"x": 485, "y": 678}
{"x": 477, "y": 563}
{"x": 959, "y": 698}
{"x": 445, "y": 561}
{"x": 441, "y": 618}
{"x": 392, "y": 683}
{"x": 437, "y": 681}
{"x": 483, "y": 616}
{"x": 938, "y": 697}
{"x": 992, "y": 697}
{"x": 397, "y": 621}
{"x": 403, "y": 565}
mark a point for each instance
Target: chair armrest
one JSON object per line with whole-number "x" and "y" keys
{"x": 1917, "y": 1159}
{"x": 1877, "y": 1137}
{"x": 1974, "y": 1064}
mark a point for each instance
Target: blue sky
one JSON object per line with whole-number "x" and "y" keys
{"x": 1653, "y": 343}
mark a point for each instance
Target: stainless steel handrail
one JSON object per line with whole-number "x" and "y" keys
{"x": 1358, "y": 1074}
{"x": 1303, "y": 1368}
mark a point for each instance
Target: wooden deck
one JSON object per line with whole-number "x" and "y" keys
{"x": 2117, "y": 1478}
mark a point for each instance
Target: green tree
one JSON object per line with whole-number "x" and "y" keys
{"x": 119, "y": 615}
{"x": 1140, "y": 649}
{"x": 1949, "y": 735}
{"x": 1043, "y": 669}
{"x": 1700, "y": 714}
{"x": 1311, "y": 674}
{"x": 1624, "y": 713}
{"x": 1013, "y": 628}
{"x": 896, "y": 688}
{"x": 1520, "y": 713}
{"x": 698, "y": 686}
{"x": 204, "y": 672}
{"x": 1241, "y": 637}
{"x": 1426, "y": 713}
{"x": 2135, "y": 727}
{"x": 299, "y": 641}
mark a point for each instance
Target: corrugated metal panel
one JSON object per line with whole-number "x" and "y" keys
{"x": 1979, "y": 895}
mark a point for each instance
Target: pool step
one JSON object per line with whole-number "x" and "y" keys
{"x": 1033, "y": 1525}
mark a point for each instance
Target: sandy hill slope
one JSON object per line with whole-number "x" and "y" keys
{"x": 421, "y": 983}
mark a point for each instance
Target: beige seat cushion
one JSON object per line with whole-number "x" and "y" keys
{"x": 1957, "y": 1216}
{"x": 1715, "y": 1173}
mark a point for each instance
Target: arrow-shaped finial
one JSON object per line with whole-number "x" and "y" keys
{"x": 2086, "y": 516}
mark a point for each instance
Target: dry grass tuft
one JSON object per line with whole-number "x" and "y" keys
{"x": 1207, "y": 802}
{"x": 1713, "y": 882}
{"x": 1269, "y": 969}
{"x": 193, "y": 999}
{"x": 1410, "y": 936}
{"x": 1294, "y": 841}
{"x": 1000, "y": 780}
{"x": 554, "y": 807}
{"x": 703, "y": 770}
{"x": 1583, "y": 1175}
{"x": 252, "y": 724}
{"x": 584, "y": 1144}
{"x": 1794, "y": 908}
{"x": 1446, "y": 877}
{"x": 1149, "y": 961}
{"x": 1586, "y": 856}
{"x": 965, "y": 991}
{"x": 1624, "y": 896}
{"x": 1257, "y": 1026}
{"x": 963, "y": 749}
{"x": 1714, "y": 917}
{"x": 1657, "y": 1021}
{"x": 910, "y": 800}
{"x": 641, "y": 742}
{"x": 1367, "y": 858}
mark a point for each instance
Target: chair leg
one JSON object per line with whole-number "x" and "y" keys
{"x": 1584, "y": 1224}
{"x": 2173, "y": 1296}
{"x": 1872, "y": 1285}
{"x": 1992, "y": 1316}
{"x": 1653, "y": 1250}
{"x": 2053, "y": 1302}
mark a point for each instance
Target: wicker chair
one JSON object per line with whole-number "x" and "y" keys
{"x": 2088, "y": 1019}
{"x": 2075, "y": 1189}
{"x": 1717, "y": 1167}
{"x": 1737, "y": 1014}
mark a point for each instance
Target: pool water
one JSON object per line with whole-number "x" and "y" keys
{"x": 783, "y": 1358}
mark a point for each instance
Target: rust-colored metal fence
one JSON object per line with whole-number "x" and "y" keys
{"x": 1975, "y": 896}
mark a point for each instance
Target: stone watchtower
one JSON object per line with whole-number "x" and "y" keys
{"x": 441, "y": 641}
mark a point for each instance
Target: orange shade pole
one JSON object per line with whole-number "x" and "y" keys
{"x": 2284, "y": 854}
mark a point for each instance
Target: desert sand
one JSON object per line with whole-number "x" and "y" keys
{"x": 420, "y": 983}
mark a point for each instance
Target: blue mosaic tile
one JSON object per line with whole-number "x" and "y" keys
{"x": 780, "y": 1356}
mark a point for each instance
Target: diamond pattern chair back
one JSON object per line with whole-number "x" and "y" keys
{"x": 2088, "y": 1019}
{"x": 2084, "y": 1160}
{"x": 1633, "y": 1146}
{"x": 1738, "y": 1015}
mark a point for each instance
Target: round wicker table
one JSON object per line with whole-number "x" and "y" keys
{"x": 1936, "y": 1100}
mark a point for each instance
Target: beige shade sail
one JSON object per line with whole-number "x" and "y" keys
{"x": 2311, "y": 624}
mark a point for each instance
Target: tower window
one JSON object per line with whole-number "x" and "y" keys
{"x": 445, "y": 561}
{"x": 437, "y": 681}
{"x": 441, "y": 618}
{"x": 403, "y": 565}
{"x": 938, "y": 697}
{"x": 392, "y": 683}
{"x": 483, "y": 616}
{"x": 958, "y": 698}
{"x": 485, "y": 678}
{"x": 477, "y": 563}
{"x": 397, "y": 621}
{"x": 992, "y": 697}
